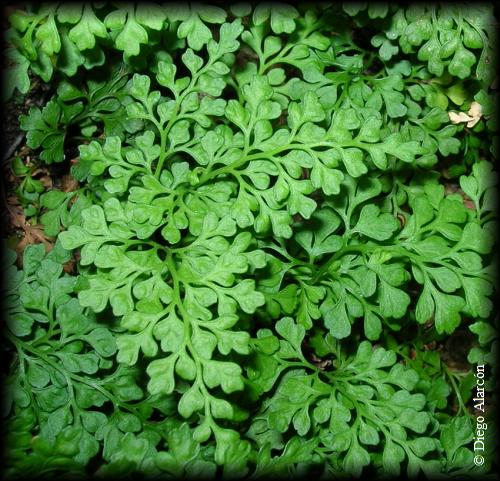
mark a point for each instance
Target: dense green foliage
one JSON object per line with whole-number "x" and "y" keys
{"x": 268, "y": 249}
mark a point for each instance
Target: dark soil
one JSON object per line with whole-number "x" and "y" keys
{"x": 14, "y": 144}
